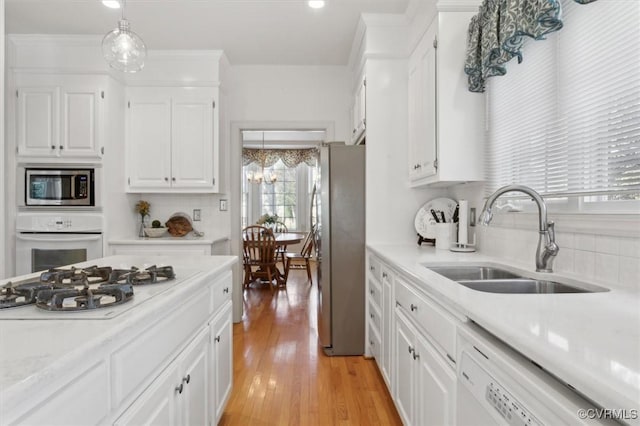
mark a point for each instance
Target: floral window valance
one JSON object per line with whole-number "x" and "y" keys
{"x": 498, "y": 31}
{"x": 290, "y": 157}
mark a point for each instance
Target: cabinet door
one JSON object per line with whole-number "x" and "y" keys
{"x": 157, "y": 405}
{"x": 221, "y": 360}
{"x": 435, "y": 388}
{"x": 149, "y": 143}
{"x": 81, "y": 121}
{"x": 428, "y": 106}
{"x": 38, "y": 118}
{"x": 192, "y": 143}
{"x": 404, "y": 373}
{"x": 387, "y": 320}
{"x": 422, "y": 108}
{"x": 194, "y": 368}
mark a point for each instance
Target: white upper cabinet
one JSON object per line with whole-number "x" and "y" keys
{"x": 359, "y": 111}
{"x": 59, "y": 117}
{"x": 446, "y": 134}
{"x": 172, "y": 140}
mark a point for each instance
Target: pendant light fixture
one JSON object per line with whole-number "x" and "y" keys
{"x": 260, "y": 177}
{"x": 123, "y": 49}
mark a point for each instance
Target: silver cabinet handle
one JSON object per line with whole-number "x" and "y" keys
{"x": 416, "y": 355}
{"x": 179, "y": 388}
{"x": 414, "y": 307}
{"x": 173, "y": 179}
{"x": 225, "y": 290}
{"x": 384, "y": 275}
{"x": 411, "y": 350}
{"x": 53, "y": 147}
{"x": 166, "y": 179}
{"x": 186, "y": 379}
{"x": 217, "y": 339}
{"x": 61, "y": 147}
{"x": 371, "y": 316}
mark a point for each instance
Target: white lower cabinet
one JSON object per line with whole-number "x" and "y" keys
{"x": 179, "y": 395}
{"x": 220, "y": 362}
{"x": 425, "y": 383}
{"x": 413, "y": 338}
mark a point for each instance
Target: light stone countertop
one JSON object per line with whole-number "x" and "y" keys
{"x": 36, "y": 353}
{"x": 588, "y": 340}
{"x": 187, "y": 240}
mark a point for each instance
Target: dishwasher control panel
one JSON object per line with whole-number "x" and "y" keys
{"x": 507, "y": 406}
{"x": 488, "y": 392}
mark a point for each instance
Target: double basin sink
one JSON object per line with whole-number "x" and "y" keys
{"x": 494, "y": 279}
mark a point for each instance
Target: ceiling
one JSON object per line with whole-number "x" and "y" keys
{"x": 285, "y": 32}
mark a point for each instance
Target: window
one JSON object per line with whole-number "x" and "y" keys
{"x": 567, "y": 120}
{"x": 289, "y": 197}
{"x": 280, "y": 198}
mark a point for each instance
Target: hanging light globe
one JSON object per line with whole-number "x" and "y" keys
{"x": 123, "y": 49}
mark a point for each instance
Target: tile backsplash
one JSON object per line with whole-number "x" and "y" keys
{"x": 610, "y": 260}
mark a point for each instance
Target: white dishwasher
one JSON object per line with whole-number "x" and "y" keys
{"x": 498, "y": 386}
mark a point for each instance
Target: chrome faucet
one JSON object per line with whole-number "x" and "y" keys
{"x": 547, "y": 247}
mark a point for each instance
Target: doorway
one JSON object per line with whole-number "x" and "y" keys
{"x": 290, "y": 132}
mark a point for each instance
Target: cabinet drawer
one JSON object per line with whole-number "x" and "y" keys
{"x": 375, "y": 317}
{"x": 374, "y": 267}
{"x": 220, "y": 292}
{"x": 136, "y": 362}
{"x": 375, "y": 293}
{"x": 438, "y": 324}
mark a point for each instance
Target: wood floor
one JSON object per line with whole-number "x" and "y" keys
{"x": 281, "y": 377}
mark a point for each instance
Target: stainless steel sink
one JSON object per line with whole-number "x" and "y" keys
{"x": 492, "y": 279}
{"x": 457, "y": 273}
{"x": 521, "y": 286}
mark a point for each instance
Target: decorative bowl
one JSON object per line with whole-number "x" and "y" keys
{"x": 155, "y": 232}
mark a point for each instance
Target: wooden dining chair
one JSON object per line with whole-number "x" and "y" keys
{"x": 280, "y": 227}
{"x": 301, "y": 260}
{"x": 259, "y": 256}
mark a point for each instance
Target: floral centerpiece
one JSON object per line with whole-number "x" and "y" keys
{"x": 142, "y": 208}
{"x": 268, "y": 219}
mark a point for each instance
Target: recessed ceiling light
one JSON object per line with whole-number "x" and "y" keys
{"x": 316, "y": 4}
{"x": 112, "y": 4}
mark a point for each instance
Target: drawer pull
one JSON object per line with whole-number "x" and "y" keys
{"x": 371, "y": 316}
{"x": 187, "y": 379}
{"x": 384, "y": 275}
{"x": 225, "y": 290}
{"x": 217, "y": 339}
{"x": 416, "y": 355}
{"x": 179, "y": 388}
{"x": 371, "y": 292}
{"x": 411, "y": 350}
{"x": 414, "y": 307}
{"x": 451, "y": 358}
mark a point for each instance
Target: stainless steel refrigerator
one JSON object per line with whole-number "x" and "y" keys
{"x": 340, "y": 224}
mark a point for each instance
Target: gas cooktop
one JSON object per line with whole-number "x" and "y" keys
{"x": 85, "y": 293}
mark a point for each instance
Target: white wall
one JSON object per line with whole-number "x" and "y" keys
{"x": 3, "y": 176}
{"x": 280, "y": 97}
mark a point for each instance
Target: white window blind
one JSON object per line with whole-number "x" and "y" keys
{"x": 566, "y": 121}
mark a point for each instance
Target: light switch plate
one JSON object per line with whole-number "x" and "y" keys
{"x": 223, "y": 205}
{"x": 196, "y": 215}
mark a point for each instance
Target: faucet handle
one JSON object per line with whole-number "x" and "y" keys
{"x": 551, "y": 229}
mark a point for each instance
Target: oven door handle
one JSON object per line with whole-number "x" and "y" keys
{"x": 95, "y": 237}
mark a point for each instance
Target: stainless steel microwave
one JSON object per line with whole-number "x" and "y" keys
{"x": 59, "y": 187}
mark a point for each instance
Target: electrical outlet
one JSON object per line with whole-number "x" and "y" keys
{"x": 472, "y": 216}
{"x": 196, "y": 215}
{"x": 223, "y": 205}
